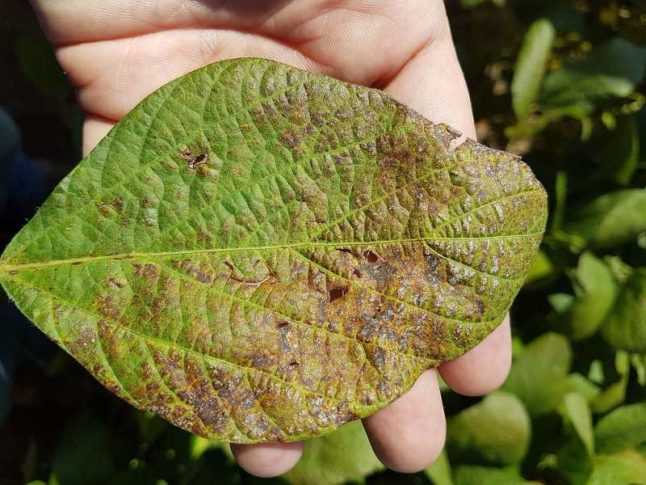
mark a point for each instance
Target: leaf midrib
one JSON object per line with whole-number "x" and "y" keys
{"x": 9, "y": 268}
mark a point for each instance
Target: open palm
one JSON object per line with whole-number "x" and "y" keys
{"x": 118, "y": 51}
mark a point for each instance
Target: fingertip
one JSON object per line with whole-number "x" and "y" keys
{"x": 484, "y": 368}
{"x": 408, "y": 434}
{"x": 267, "y": 460}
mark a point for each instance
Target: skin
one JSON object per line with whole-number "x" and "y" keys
{"x": 118, "y": 51}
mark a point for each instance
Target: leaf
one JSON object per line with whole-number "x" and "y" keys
{"x": 439, "y": 473}
{"x": 595, "y": 288}
{"x": 481, "y": 475}
{"x": 619, "y": 151}
{"x": 257, "y": 253}
{"x": 342, "y": 456}
{"x": 582, "y": 386}
{"x": 612, "y": 219}
{"x": 625, "y": 427}
{"x": 495, "y": 431}
{"x": 625, "y": 327}
{"x": 577, "y": 451}
{"x": 612, "y": 70}
{"x": 577, "y": 413}
{"x": 539, "y": 375}
{"x": 531, "y": 65}
{"x": 626, "y": 468}
{"x": 615, "y": 394}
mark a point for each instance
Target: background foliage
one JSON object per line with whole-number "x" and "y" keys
{"x": 558, "y": 81}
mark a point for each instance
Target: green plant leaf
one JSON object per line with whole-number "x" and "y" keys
{"x": 615, "y": 394}
{"x": 625, "y": 427}
{"x": 257, "y": 253}
{"x": 539, "y": 375}
{"x": 482, "y": 475}
{"x": 611, "y": 219}
{"x": 620, "y": 149}
{"x": 577, "y": 413}
{"x": 595, "y": 289}
{"x": 625, "y": 327}
{"x": 340, "y": 457}
{"x": 495, "y": 431}
{"x": 626, "y": 468}
{"x": 439, "y": 473}
{"x": 531, "y": 65}
{"x": 612, "y": 70}
{"x": 577, "y": 450}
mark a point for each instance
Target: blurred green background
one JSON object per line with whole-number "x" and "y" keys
{"x": 560, "y": 82}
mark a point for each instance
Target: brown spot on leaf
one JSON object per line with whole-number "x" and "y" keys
{"x": 336, "y": 293}
{"x": 371, "y": 256}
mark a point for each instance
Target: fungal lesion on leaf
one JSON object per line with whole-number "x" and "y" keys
{"x": 194, "y": 157}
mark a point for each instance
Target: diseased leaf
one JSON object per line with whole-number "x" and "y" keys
{"x": 257, "y": 253}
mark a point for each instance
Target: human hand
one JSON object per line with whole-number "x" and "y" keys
{"x": 118, "y": 51}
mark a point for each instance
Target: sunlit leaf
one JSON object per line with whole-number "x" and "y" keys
{"x": 626, "y": 468}
{"x": 257, "y": 253}
{"x": 340, "y": 457}
{"x": 495, "y": 431}
{"x": 531, "y": 65}
{"x": 482, "y": 475}
{"x": 611, "y": 219}
{"x": 581, "y": 315}
{"x": 611, "y": 70}
{"x": 625, "y": 427}
{"x": 539, "y": 375}
{"x": 439, "y": 473}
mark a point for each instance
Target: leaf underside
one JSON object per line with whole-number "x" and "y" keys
{"x": 258, "y": 254}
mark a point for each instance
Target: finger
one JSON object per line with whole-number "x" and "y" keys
{"x": 408, "y": 435}
{"x": 484, "y": 368}
{"x": 432, "y": 83}
{"x": 267, "y": 460}
{"x": 94, "y": 129}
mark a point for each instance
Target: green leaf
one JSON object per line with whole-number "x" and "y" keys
{"x": 539, "y": 375}
{"x": 257, "y": 253}
{"x": 612, "y": 70}
{"x": 495, "y": 431}
{"x": 615, "y": 393}
{"x": 626, "y": 468}
{"x": 582, "y": 386}
{"x": 596, "y": 290}
{"x": 620, "y": 151}
{"x": 481, "y": 475}
{"x": 625, "y": 427}
{"x": 576, "y": 453}
{"x": 342, "y": 456}
{"x": 577, "y": 413}
{"x": 531, "y": 65}
{"x": 625, "y": 327}
{"x": 611, "y": 219}
{"x": 439, "y": 473}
